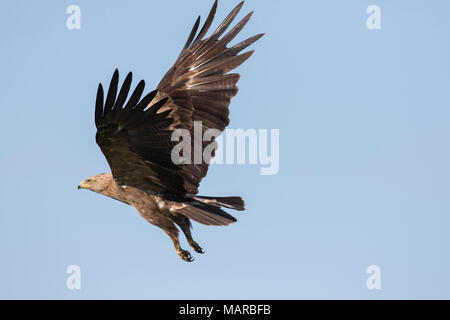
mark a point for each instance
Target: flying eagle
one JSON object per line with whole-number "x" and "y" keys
{"x": 135, "y": 135}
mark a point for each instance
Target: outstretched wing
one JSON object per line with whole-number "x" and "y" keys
{"x": 199, "y": 85}
{"x": 136, "y": 139}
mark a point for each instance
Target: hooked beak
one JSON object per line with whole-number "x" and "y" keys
{"x": 82, "y": 185}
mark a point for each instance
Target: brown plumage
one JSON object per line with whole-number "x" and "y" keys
{"x": 135, "y": 135}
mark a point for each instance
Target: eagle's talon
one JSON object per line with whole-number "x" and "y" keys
{"x": 185, "y": 255}
{"x": 196, "y": 247}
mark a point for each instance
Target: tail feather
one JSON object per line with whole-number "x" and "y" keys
{"x": 206, "y": 214}
{"x": 207, "y": 210}
{"x": 236, "y": 203}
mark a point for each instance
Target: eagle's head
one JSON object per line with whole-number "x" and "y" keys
{"x": 97, "y": 183}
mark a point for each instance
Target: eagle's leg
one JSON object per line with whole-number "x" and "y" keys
{"x": 166, "y": 223}
{"x": 173, "y": 234}
{"x": 185, "y": 226}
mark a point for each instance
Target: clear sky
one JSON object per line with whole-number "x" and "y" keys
{"x": 364, "y": 175}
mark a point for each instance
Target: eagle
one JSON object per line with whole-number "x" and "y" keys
{"x": 135, "y": 134}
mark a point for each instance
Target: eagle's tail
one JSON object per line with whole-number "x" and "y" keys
{"x": 207, "y": 210}
{"x": 236, "y": 203}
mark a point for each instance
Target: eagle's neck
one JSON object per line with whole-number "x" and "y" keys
{"x": 115, "y": 191}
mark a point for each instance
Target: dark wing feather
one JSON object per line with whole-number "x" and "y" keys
{"x": 200, "y": 74}
{"x": 136, "y": 139}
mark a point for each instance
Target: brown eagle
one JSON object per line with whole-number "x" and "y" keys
{"x": 135, "y": 134}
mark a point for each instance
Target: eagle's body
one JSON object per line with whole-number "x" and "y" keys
{"x": 136, "y": 137}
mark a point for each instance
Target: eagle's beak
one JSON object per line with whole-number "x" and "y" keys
{"x": 82, "y": 185}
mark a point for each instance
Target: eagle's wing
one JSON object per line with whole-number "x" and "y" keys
{"x": 198, "y": 84}
{"x": 136, "y": 139}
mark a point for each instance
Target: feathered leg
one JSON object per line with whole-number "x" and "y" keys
{"x": 185, "y": 226}
{"x": 168, "y": 226}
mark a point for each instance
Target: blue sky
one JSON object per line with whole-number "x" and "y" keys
{"x": 364, "y": 173}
